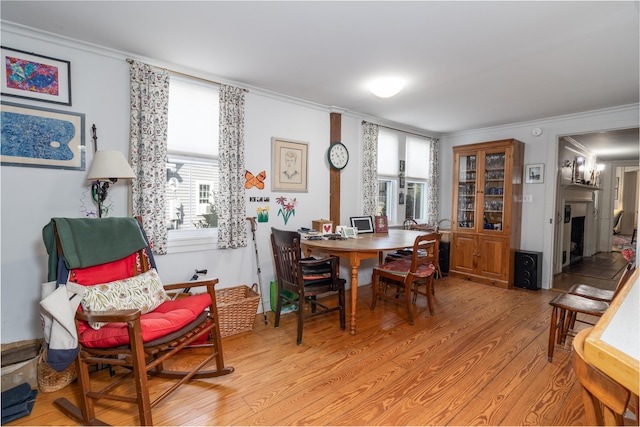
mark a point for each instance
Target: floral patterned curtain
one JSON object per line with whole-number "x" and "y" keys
{"x": 433, "y": 192}
{"x": 148, "y": 149}
{"x": 230, "y": 201}
{"x": 370, "y": 169}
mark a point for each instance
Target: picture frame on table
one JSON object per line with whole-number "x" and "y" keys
{"x": 382, "y": 225}
{"x": 289, "y": 165}
{"x": 364, "y": 224}
{"x": 349, "y": 232}
{"x": 31, "y": 76}
{"x": 42, "y": 137}
{"x": 534, "y": 174}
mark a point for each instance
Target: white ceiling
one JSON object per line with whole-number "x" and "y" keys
{"x": 468, "y": 65}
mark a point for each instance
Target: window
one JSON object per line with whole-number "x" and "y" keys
{"x": 394, "y": 147}
{"x": 415, "y": 202}
{"x": 418, "y": 171}
{"x": 388, "y": 161}
{"x": 192, "y": 167}
{"x": 385, "y": 187}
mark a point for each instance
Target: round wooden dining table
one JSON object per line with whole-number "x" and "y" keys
{"x": 364, "y": 246}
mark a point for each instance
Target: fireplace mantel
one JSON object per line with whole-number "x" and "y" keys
{"x": 579, "y": 193}
{"x": 581, "y": 187}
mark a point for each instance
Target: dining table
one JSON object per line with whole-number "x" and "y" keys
{"x": 613, "y": 344}
{"x": 363, "y": 246}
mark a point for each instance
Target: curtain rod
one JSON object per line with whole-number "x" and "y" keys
{"x": 130, "y": 61}
{"x": 403, "y": 131}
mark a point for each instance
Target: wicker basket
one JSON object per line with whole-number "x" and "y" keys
{"x": 49, "y": 379}
{"x": 237, "y": 308}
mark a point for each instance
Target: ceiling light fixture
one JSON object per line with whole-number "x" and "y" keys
{"x": 386, "y": 87}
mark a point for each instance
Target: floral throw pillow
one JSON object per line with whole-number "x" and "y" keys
{"x": 143, "y": 292}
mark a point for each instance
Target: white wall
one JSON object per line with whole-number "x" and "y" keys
{"x": 537, "y": 217}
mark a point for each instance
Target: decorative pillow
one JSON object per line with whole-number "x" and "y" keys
{"x": 143, "y": 292}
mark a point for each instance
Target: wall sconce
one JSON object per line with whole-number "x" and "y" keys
{"x": 107, "y": 167}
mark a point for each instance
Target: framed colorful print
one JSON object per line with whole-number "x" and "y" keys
{"x": 31, "y": 76}
{"x": 41, "y": 137}
{"x": 382, "y": 225}
{"x": 534, "y": 174}
{"x": 289, "y": 165}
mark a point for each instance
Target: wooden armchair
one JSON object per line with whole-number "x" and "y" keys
{"x": 135, "y": 342}
{"x": 409, "y": 274}
{"x": 300, "y": 281}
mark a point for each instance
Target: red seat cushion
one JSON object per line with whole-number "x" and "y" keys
{"x": 169, "y": 317}
{"x": 401, "y": 267}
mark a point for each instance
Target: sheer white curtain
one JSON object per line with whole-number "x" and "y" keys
{"x": 370, "y": 169}
{"x": 230, "y": 201}
{"x": 148, "y": 149}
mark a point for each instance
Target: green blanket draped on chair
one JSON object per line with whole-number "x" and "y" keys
{"x": 78, "y": 237}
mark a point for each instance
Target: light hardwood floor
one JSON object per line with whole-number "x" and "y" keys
{"x": 481, "y": 360}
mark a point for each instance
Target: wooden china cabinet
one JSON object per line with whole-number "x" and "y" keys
{"x": 487, "y": 211}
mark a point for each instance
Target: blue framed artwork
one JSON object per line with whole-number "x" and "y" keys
{"x": 31, "y": 76}
{"x": 42, "y": 137}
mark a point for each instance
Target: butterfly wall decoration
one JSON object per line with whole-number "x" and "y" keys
{"x": 254, "y": 181}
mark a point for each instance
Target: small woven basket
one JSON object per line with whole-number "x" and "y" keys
{"x": 50, "y": 380}
{"x": 237, "y": 309}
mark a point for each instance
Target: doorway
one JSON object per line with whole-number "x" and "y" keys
{"x": 577, "y": 186}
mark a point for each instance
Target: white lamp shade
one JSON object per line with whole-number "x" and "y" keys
{"x": 109, "y": 164}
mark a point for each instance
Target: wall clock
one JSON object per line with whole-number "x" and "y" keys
{"x": 338, "y": 155}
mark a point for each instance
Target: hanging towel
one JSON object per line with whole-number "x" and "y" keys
{"x": 57, "y": 312}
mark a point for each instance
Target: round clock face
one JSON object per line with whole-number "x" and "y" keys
{"x": 338, "y": 155}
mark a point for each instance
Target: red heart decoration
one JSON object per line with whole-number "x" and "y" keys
{"x": 326, "y": 228}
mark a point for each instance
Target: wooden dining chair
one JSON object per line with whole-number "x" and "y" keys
{"x": 412, "y": 224}
{"x": 567, "y": 307}
{"x": 300, "y": 280}
{"x": 598, "y": 294}
{"x": 605, "y": 401}
{"x": 408, "y": 223}
{"x": 409, "y": 274}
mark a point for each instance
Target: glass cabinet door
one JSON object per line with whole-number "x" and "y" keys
{"x": 467, "y": 192}
{"x": 494, "y": 169}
